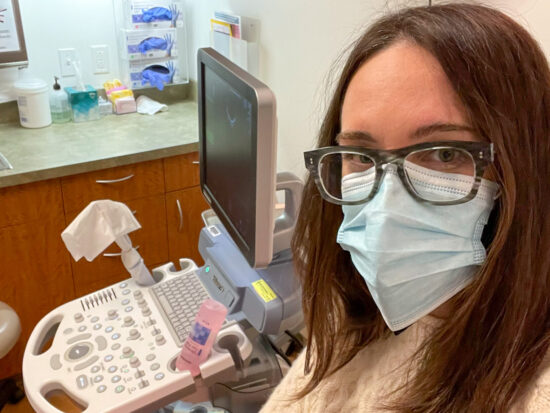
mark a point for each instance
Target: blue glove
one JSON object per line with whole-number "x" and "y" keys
{"x": 152, "y": 43}
{"x": 156, "y": 13}
{"x": 157, "y": 76}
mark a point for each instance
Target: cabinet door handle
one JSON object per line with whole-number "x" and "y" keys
{"x": 196, "y": 162}
{"x": 181, "y": 215}
{"x": 115, "y": 254}
{"x": 112, "y": 181}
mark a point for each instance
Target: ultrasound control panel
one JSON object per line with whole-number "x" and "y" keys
{"x": 115, "y": 350}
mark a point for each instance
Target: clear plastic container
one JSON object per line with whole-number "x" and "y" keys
{"x": 196, "y": 348}
{"x": 59, "y": 105}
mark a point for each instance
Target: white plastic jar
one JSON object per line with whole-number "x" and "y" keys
{"x": 33, "y": 102}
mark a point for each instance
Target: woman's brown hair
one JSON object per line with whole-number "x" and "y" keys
{"x": 487, "y": 352}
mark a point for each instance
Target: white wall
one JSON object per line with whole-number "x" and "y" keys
{"x": 532, "y": 14}
{"x": 54, "y": 24}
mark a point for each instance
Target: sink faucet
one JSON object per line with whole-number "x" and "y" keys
{"x": 4, "y": 163}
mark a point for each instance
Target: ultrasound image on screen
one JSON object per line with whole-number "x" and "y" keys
{"x": 229, "y": 153}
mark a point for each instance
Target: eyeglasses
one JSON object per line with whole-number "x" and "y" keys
{"x": 440, "y": 173}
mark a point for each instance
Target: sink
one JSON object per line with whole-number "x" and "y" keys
{"x": 4, "y": 163}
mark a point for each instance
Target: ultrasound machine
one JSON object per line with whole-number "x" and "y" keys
{"x": 114, "y": 350}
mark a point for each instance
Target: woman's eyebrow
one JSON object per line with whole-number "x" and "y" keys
{"x": 356, "y": 136}
{"x": 421, "y": 132}
{"x": 427, "y": 130}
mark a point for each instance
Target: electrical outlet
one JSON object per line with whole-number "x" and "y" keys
{"x": 100, "y": 58}
{"x": 65, "y": 58}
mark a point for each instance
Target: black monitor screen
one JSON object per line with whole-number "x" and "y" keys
{"x": 230, "y": 163}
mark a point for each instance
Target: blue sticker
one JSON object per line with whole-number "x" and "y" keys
{"x": 200, "y": 334}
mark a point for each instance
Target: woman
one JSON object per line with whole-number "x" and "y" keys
{"x": 423, "y": 245}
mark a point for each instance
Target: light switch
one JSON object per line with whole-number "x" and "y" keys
{"x": 65, "y": 57}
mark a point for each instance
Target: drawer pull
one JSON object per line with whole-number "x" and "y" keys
{"x": 112, "y": 181}
{"x": 116, "y": 254}
{"x": 181, "y": 215}
{"x": 196, "y": 162}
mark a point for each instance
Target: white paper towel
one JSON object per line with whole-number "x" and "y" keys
{"x": 97, "y": 227}
{"x": 148, "y": 106}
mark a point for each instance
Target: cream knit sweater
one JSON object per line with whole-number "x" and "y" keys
{"x": 361, "y": 385}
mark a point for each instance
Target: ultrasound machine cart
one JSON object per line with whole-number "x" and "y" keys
{"x": 114, "y": 350}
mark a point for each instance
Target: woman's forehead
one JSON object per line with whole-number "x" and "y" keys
{"x": 398, "y": 90}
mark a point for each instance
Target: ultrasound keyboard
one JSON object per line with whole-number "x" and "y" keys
{"x": 180, "y": 298}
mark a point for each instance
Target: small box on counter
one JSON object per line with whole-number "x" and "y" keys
{"x": 84, "y": 103}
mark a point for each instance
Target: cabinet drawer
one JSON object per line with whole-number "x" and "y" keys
{"x": 30, "y": 202}
{"x": 181, "y": 171}
{"x": 119, "y": 184}
{"x": 151, "y": 238}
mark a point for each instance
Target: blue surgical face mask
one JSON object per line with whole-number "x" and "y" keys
{"x": 413, "y": 255}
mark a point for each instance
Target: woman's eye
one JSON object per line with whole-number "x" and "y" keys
{"x": 451, "y": 160}
{"x": 446, "y": 155}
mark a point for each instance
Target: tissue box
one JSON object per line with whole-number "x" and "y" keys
{"x": 84, "y": 103}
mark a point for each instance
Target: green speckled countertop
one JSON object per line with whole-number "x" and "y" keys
{"x": 115, "y": 140}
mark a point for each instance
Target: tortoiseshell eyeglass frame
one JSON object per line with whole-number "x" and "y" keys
{"x": 482, "y": 154}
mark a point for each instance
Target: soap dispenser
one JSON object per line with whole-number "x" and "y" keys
{"x": 59, "y": 104}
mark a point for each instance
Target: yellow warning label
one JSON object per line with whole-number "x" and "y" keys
{"x": 264, "y": 290}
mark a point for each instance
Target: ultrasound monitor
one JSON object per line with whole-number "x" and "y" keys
{"x": 237, "y": 146}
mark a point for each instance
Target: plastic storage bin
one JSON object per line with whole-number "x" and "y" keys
{"x": 33, "y": 102}
{"x": 149, "y": 44}
{"x": 152, "y": 32}
{"x": 171, "y": 69}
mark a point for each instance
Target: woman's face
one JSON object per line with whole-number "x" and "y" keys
{"x": 401, "y": 97}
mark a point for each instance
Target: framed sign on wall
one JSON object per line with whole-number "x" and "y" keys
{"x": 12, "y": 42}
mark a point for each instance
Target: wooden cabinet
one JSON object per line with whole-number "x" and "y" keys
{"x": 183, "y": 209}
{"x": 37, "y": 272}
{"x": 184, "y": 205}
{"x": 119, "y": 184}
{"x": 181, "y": 171}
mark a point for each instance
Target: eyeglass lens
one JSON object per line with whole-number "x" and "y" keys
{"x": 434, "y": 174}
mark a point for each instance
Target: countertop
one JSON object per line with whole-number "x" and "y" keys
{"x": 72, "y": 148}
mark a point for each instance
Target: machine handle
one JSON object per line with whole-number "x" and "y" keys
{"x": 112, "y": 181}
{"x": 284, "y": 225}
{"x": 116, "y": 254}
{"x": 181, "y": 215}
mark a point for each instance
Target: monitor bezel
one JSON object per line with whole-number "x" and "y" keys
{"x": 260, "y": 251}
